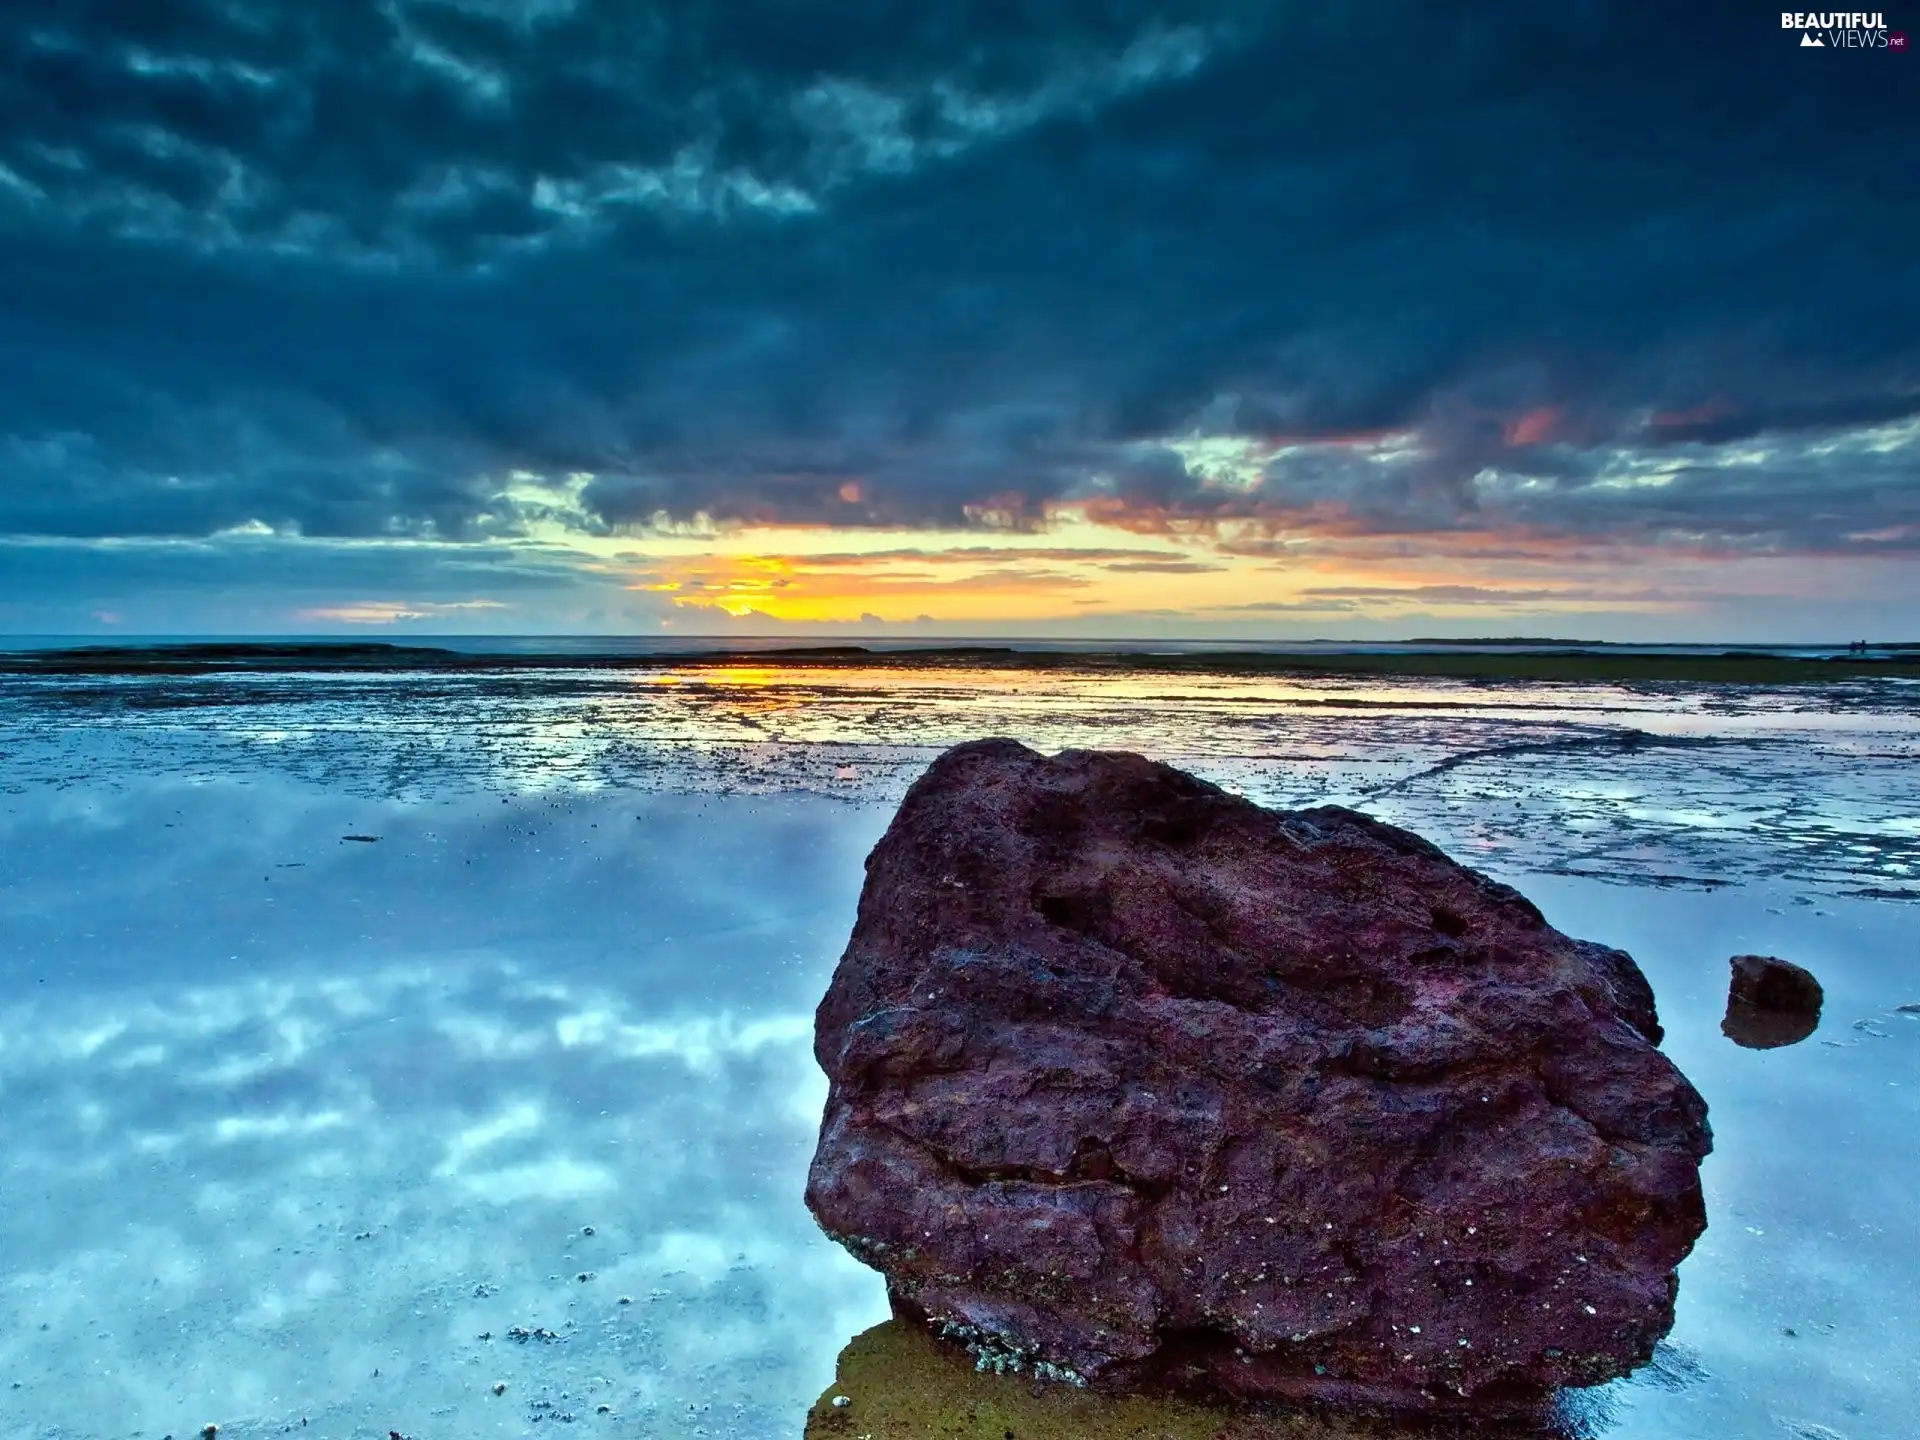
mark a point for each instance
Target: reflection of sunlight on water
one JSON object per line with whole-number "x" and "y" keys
{"x": 1810, "y": 760}
{"x": 1900, "y": 827}
{"x": 817, "y": 699}
{"x": 1691, "y": 819}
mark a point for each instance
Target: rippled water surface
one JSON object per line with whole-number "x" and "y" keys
{"x": 351, "y": 1131}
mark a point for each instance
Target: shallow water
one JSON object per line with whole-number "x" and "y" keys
{"x": 288, "y": 1121}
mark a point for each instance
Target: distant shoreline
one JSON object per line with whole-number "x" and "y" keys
{"x": 1498, "y": 659}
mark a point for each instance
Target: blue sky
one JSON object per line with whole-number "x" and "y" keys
{"x": 1237, "y": 319}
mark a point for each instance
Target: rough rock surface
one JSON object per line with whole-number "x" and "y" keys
{"x": 1769, "y": 984}
{"x": 1137, "y": 1083}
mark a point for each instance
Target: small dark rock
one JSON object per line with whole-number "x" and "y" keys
{"x": 1770, "y": 1003}
{"x": 1770, "y": 984}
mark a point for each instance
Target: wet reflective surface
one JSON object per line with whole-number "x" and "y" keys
{"x": 288, "y": 1122}
{"x": 1667, "y": 784}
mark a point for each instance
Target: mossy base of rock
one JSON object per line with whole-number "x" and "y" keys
{"x": 901, "y": 1383}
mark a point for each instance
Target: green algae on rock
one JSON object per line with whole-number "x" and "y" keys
{"x": 901, "y": 1383}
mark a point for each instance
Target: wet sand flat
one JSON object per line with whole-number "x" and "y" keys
{"x": 291, "y": 1120}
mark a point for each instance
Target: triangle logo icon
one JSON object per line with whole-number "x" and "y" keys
{"x": 1808, "y": 42}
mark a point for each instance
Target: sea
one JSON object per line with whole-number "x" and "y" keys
{"x": 419, "y": 1045}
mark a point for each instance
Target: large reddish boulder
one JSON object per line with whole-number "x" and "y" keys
{"x": 1134, "y": 1082}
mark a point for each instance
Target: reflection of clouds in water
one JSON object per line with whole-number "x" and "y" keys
{"x": 241, "y": 1200}
{"x": 1788, "y": 1303}
{"x": 277, "y": 1112}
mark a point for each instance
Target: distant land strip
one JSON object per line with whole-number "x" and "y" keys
{"x": 1492, "y": 660}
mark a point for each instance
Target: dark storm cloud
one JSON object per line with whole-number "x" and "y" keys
{"x": 345, "y": 269}
{"x": 1825, "y": 490}
{"x": 473, "y": 128}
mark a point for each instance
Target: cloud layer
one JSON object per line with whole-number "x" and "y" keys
{"x": 473, "y": 272}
